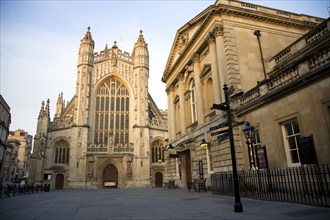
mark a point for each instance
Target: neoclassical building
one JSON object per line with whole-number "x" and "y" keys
{"x": 111, "y": 133}
{"x": 263, "y": 52}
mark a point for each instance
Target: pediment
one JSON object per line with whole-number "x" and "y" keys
{"x": 185, "y": 37}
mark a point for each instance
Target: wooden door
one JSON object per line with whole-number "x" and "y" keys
{"x": 59, "y": 181}
{"x": 187, "y": 168}
{"x": 110, "y": 176}
{"x": 159, "y": 179}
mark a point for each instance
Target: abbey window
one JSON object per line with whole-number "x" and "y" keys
{"x": 62, "y": 152}
{"x": 112, "y": 114}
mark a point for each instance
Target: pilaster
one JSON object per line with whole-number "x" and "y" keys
{"x": 218, "y": 34}
{"x": 199, "y": 93}
{"x": 182, "y": 105}
{"x": 214, "y": 69}
{"x": 171, "y": 113}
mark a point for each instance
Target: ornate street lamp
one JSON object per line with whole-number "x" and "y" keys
{"x": 248, "y": 131}
{"x": 204, "y": 144}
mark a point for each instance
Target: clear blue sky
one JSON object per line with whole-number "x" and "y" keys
{"x": 40, "y": 42}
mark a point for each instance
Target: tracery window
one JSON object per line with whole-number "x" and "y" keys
{"x": 62, "y": 152}
{"x": 157, "y": 151}
{"x": 112, "y": 113}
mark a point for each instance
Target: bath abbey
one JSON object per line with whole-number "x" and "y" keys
{"x": 111, "y": 133}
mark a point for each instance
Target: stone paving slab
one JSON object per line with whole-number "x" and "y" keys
{"x": 147, "y": 203}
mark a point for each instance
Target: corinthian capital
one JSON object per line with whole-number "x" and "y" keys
{"x": 195, "y": 57}
{"x": 218, "y": 30}
{"x": 210, "y": 39}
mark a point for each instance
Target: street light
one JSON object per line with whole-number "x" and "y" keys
{"x": 204, "y": 144}
{"x": 248, "y": 131}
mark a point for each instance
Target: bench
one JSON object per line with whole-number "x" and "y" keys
{"x": 197, "y": 185}
{"x": 170, "y": 184}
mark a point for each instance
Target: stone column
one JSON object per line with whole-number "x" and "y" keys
{"x": 171, "y": 113}
{"x": 182, "y": 106}
{"x": 218, "y": 34}
{"x": 214, "y": 69}
{"x": 199, "y": 92}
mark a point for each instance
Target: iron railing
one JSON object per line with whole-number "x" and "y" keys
{"x": 305, "y": 184}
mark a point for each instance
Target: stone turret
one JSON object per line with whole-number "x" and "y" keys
{"x": 84, "y": 72}
{"x": 60, "y": 105}
{"x": 140, "y": 53}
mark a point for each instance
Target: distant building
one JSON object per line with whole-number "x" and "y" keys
{"x": 111, "y": 133}
{"x": 279, "y": 59}
{"x": 5, "y": 120}
{"x": 10, "y": 164}
{"x": 24, "y": 152}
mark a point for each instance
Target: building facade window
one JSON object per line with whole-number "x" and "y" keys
{"x": 291, "y": 133}
{"x": 62, "y": 152}
{"x": 112, "y": 113}
{"x": 209, "y": 95}
{"x": 193, "y": 101}
{"x": 209, "y": 160}
{"x": 157, "y": 151}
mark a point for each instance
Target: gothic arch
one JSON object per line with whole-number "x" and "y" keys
{"x": 118, "y": 162}
{"x": 60, "y": 151}
{"x": 97, "y": 85}
{"x": 157, "y": 148}
{"x": 111, "y": 126}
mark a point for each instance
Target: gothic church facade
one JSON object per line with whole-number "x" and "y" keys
{"x": 111, "y": 133}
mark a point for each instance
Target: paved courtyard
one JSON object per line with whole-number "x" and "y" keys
{"x": 147, "y": 203}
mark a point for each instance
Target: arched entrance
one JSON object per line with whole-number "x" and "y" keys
{"x": 159, "y": 179}
{"x": 110, "y": 176}
{"x": 59, "y": 181}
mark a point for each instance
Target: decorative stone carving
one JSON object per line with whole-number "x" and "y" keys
{"x": 217, "y": 30}
{"x": 90, "y": 167}
{"x": 195, "y": 57}
{"x": 210, "y": 39}
{"x": 129, "y": 166}
{"x": 183, "y": 41}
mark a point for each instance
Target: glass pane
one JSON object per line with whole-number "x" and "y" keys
{"x": 288, "y": 129}
{"x": 292, "y": 142}
{"x": 295, "y": 127}
{"x": 294, "y": 156}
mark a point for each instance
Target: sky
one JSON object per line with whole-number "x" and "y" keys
{"x": 40, "y": 42}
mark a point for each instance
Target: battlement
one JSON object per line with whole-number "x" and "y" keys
{"x": 121, "y": 55}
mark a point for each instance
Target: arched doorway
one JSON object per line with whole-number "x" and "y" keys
{"x": 159, "y": 179}
{"x": 110, "y": 176}
{"x": 59, "y": 181}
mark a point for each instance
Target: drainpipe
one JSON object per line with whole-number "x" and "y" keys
{"x": 257, "y": 33}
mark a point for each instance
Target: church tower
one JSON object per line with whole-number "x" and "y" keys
{"x": 105, "y": 135}
{"x": 140, "y": 57}
{"x": 84, "y": 72}
{"x": 40, "y": 144}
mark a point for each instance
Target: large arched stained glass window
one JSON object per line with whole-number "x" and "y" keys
{"x": 111, "y": 113}
{"x": 157, "y": 151}
{"x": 62, "y": 152}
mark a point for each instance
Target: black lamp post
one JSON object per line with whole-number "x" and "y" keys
{"x": 228, "y": 134}
{"x": 258, "y": 35}
{"x": 248, "y": 131}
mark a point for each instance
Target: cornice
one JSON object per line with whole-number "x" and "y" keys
{"x": 237, "y": 11}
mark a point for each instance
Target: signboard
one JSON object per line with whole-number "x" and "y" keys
{"x": 110, "y": 184}
{"x": 306, "y": 148}
{"x": 262, "y": 160}
{"x": 201, "y": 172}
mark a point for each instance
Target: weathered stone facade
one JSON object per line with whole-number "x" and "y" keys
{"x": 106, "y": 135}
{"x": 24, "y": 152}
{"x": 5, "y": 120}
{"x": 220, "y": 46}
